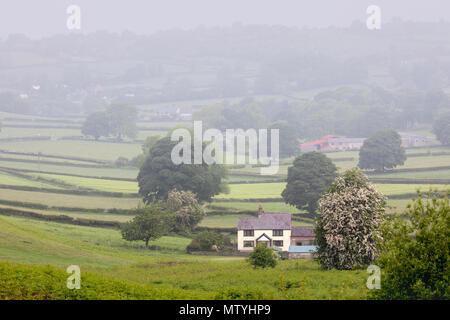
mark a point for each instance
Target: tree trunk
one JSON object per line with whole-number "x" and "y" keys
{"x": 146, "y": 243}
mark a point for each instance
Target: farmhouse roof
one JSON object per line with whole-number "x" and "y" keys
{"x": 303, "y": 231}
{"x": 320, "y": 141}
{"x": 266, "y": 221}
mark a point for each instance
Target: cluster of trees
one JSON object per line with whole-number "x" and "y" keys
{"x": 312, "y": 173}
{"x": 118, "y": 120}
{"x": 352, "y": 230}
{"x": 172, "y": 194}
{"x": 345, "y": 111}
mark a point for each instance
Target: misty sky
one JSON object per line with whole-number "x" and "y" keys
{"x": 48, "y": 17}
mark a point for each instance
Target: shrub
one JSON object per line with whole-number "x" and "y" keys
{"x": 415, "y": 258}
{"x": 262, "y": 257}
{"x": 204, "y": 241}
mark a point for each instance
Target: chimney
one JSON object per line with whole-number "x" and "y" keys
{"x": 260, "y": 210}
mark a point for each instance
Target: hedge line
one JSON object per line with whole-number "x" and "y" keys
{"x": 70, "y": 164}
{"x": 373, "y": 173}
{"x": 68, "y": 174}
{"x": 55, "y": 182}
{"x": 230, "y": 230}
{"x": 250, "y": 200}
{"x": 60, "y": 218}
{"x": 33, "y": 126}
{"x": 40, "y": 206}
{"x": 40, "y": 138}
{"x": 410, "y": 181}
{"x": 33, "y": 154}
{"x": 72, "y": 192}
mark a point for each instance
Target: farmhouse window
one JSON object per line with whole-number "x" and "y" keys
{"x": 248, "y": 244}
{"x": 277, "y": 233}
{"x": 278, "y": 243}
{"x": 248, "y": 233}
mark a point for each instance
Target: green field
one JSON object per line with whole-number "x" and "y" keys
{"x": 98, "y": 184}
{"x": 165, "y": 271}
{"x": 102, "y": 253}
{"x": 66, "y": 200}
{"x": 87, "y": 149}
{"x": 11, "y": 180}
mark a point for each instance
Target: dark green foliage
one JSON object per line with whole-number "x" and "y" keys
{"x": 158, "y": 175}
{"x": 118, "y": 120}
{"x": 150, "y": 223}
{"x": 31, "y": 282}
{"x": 262, "y": 257}
{"x": 205, "y": 240}
{"x": 289, "y": 145}
{"x": 96, "y": 125}
{"x": 441, "y": 128}
{"x": 382, "y": 151}
{"x": 308, "y": 178}
{"x": 122, "y": 120}
{"x": 415, "y": 260}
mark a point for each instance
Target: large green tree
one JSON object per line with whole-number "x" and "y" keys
{"x": 122, "y": 120}
{"x": 288, "y": 134}
{"x": 96, "y": 125}
{"x": 415, "y": 260}
{"x": 150, "y": 223}
{"x": 159, "y": 174}
{"x": 383, "y": 150}
{"x": 441, "y": 128}
{"x": 348, "y": 231}
{"x": 308, "y": 178}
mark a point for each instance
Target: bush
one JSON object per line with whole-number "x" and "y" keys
{"x": 204, "y": 241}
{"x": 262, "y": 257}
{"x": 415, "y": 258}
{"x": 121, "y": 162}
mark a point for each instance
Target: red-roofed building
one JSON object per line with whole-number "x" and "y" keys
{"x": 321, "y": 144}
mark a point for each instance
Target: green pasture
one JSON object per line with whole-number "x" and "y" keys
{"x": 67, "y": 200}
{"x": 9, "y": 132}
{"x": 103, "y": 253}
{"x": 273, "y": 190}
{"x": 97, "y": 184}
{"x": 128, "y": 173}
{"x": 253, "y": 206}
{"x": 98, "y": 150}
{"x": 7, "y": 179}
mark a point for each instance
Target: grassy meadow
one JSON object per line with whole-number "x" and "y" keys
{"x": 113, "y": 268}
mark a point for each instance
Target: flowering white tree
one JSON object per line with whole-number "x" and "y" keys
{"x": 348, "y": 230}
